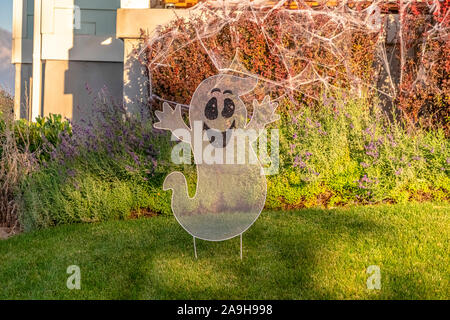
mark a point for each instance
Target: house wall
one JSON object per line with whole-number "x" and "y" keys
{"x": 75, "y": 53}
{"x": 22, "y": 85}
{"x": 130, "y": 22}
{"x": 71, "y": 87}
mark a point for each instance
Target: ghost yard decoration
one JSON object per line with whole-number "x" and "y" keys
{"x": 231, "y": 186}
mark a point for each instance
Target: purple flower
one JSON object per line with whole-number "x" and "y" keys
{"x": 298, "y": 162}
{"x": 369, "y": 132}
{"x": 391, "y": 139}
{"x": 71, "y": 173}
{"x": 371, "y": 149}
{"x": 363, "y": 182}
{"x": 370, "y": 146}
{"x": 373, "y": 154}
{"x": 380, "y": 142}
{"x": 364, "y": 165}
{"x": 361, "y": 185}
{"x": 398, "y": 172}
{"x": 134, "y": 156}
{"x": 294, "y": 136}
{"x": 292, "y": 147}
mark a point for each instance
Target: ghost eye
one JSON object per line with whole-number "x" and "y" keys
{"x": 211, "y": 111}
{"x": 228, "y": 108}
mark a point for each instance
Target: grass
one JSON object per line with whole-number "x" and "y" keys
{"x": 306, "y": 254}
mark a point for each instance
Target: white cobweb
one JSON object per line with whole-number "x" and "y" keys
{"x": 322, "y": 27}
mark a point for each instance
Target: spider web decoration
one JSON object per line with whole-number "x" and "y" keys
{"x": 295, "y": 51}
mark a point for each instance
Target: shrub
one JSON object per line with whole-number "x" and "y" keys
{"x": 16, "y": 162}
{"x": 424, "y": 91}
{"x": 337, "y": 147}
{"x": 351, "y": 152}
{"x": 346, "y": 152}
{"x": 286, "y": 49}
{"x": 21, "y": 150}
{"x": 6, "y": 103}
{"x": 89, "y": 189}
{"x": 298, "y": 54}
{"x": 107, "y": 168}
{"x": 42, "y": 134}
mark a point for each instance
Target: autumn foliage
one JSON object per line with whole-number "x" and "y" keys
{"x": 298, "y": 54}
{"x": 279, "y": 49}
{"x": 424, "y": 90}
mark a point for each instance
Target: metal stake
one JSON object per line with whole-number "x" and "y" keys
{"x": 195, "y": 249}
{"x": 241, "y": 246}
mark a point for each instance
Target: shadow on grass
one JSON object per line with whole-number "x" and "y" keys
{"x": 309, "y": 254}
{"x": 282, "y": 257}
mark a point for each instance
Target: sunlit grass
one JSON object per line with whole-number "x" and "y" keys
{"x": 307, "y": 254}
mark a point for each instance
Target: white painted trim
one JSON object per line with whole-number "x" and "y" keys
{"x": 48, "y": 16}
{"x": 19, "y": 28}
{"x": 135, "y": 4}
{"x": 22, "y": 51}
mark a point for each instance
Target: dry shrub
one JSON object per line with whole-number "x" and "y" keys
{"x": 16, "y": 162}
{"x": 6, "y": 102}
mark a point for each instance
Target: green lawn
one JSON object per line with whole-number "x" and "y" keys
{"x": 306, "y": 254}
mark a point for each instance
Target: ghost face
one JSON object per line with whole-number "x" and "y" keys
{"x": 217, "y": 104}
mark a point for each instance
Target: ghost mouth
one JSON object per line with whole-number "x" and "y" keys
{"x": 212, "y": 134}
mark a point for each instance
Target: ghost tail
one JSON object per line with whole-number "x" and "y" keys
{"x": 176, "y": 182}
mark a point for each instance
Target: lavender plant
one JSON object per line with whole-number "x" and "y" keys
{"x": 353, "y": 151}
{"x": 348, "y": 151}
{"x": 105, "y": 167}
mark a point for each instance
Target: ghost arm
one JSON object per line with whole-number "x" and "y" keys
{"x": 263, "y": 114}
{"x": 172, "y": 120}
